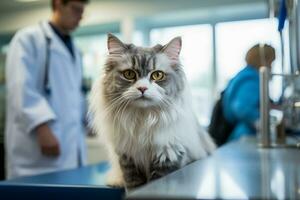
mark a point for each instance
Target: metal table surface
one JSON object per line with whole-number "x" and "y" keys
{"x": 238, "y": 170}
{"x": 82, "y": 183}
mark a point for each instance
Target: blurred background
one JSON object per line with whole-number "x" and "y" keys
{"x": 216, "y": 35}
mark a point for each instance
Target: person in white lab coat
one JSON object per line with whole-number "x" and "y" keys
{"x": 45, "y": 103}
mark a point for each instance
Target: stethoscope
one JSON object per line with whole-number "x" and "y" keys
{"x": 47, "y": 88}
{"x": 46, "y": 84}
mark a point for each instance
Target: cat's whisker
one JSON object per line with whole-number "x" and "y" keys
{"x": 119, "y": 102}
{"x": 123, "y": 108}
{"x": 113, "y": 94}
{"x": 111, "y": 106}
{"x": 166, "y": 102}
{"x": 120, "y": 108}
{"x": 116, "y": 115}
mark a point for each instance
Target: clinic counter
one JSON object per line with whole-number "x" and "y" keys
{"x": 86, "y": 183}
{"x": 238, "y": 170}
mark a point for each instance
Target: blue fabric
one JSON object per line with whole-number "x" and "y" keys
{"x": 282, "y": 15}
{"x": 241, "y": 102}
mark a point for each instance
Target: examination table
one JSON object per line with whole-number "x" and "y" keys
{"x": 238, "y": 170}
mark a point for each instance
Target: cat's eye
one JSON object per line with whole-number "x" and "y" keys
{"x": 129, "y": 74}
{"x": 158, "y": 76}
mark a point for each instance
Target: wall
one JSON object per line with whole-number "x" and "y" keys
{"x": 111, "y": 11}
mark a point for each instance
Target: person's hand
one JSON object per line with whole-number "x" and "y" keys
{"x": 48, "y": 143}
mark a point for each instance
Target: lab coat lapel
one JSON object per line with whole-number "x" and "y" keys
{"x": 58, "y": 46}
{"x": 56, "y": 43}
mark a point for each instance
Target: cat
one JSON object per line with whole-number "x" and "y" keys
{"x": 141, "y": 107}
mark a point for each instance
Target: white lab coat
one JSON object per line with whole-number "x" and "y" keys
{"x": 29, "y": 106}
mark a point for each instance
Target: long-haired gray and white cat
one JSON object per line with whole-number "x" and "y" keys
{"x": 141, "y": 106}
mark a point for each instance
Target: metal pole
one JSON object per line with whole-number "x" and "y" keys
{"x": 264, "y": 133}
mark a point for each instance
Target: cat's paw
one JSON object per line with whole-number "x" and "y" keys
{"x": 170, "y": 155}
{"x": 114, "y": 179}
{"x": 167, "y": 160}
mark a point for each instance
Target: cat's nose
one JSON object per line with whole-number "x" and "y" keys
{"x": 142, "y": 89}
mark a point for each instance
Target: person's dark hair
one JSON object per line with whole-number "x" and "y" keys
{"x": 65, "y": 2}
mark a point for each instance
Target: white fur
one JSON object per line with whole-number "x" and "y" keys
{"x": 144, "y": 136}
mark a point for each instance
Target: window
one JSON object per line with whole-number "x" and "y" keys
{"x": 94, "y": 51}
{"x": 234, "y": 39}
{"x": 196, "y": 57}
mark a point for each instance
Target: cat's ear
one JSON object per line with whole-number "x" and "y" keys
{"x": 157, "y": 48}
{"x": 172, "y": 49}
{"x": 114, "y": 45}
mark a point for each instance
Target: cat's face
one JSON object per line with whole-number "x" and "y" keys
{"x": 142, "y": 77}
